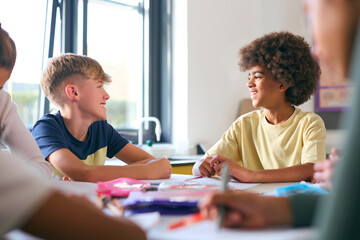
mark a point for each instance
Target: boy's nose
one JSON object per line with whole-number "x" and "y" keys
{"x": 250, "y": 83}
{"x": 106, "y": 96}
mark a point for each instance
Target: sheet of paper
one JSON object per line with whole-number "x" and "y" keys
{"x": 146, "y": 221}
{"x": 233, "y": 184}
{"x": 207, "y": 230}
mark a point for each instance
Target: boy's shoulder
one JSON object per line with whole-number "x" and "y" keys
{"x": 49, "y": 118}
{"x": 251, "y": 118}
{"x": 308, "y": 118}
{"x": 307, "y": 115}
{"x": 256, "y": 114}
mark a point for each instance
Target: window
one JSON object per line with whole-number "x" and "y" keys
{"x": 129, "y": 38}
{"x": 115, "y": 38}
{"x": 28, "y": 36}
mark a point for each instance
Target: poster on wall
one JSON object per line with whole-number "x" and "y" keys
{"x": 332, "y": 94}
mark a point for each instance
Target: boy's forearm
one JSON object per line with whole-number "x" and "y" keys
{"x": 107, "y": 173}
{"x": 288, "y": 174}
{"x": 143, "y": 161}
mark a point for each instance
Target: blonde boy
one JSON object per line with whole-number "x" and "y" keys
{"x": 77, "y": 139}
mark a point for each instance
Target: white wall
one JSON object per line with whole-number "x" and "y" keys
{"x": 208, "y": 85}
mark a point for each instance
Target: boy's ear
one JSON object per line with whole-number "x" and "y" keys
{"x": 71, "y": 92}
{"x": 283, "y": 87}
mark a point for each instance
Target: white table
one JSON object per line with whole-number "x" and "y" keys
{"x": 204, "y": 230}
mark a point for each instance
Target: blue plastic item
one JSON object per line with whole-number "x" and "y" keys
{"x": 301, "y": 188}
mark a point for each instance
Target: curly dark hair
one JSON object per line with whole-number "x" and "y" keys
{"x": 289, "y": 59}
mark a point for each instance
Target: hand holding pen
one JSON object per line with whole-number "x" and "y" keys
{"x": 247, "y": 210}
{"x": 198, "y": 217}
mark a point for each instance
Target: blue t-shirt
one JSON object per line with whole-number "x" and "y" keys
{"x": 51, "y": 134}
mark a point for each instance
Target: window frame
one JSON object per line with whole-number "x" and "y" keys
{"x": 158, "y": 71}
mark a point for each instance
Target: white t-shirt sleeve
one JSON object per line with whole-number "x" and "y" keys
{"x": 21, "y": 193}
{"x": 18, "y": 139}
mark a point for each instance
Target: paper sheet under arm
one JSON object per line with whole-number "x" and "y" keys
{"x": 233, "y": 184}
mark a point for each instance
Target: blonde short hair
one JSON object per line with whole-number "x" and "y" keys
{"x": 69, "y": 68}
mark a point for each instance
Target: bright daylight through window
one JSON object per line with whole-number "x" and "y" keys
{"x": 28, "y": 35}
{"x": 115, "y": 38}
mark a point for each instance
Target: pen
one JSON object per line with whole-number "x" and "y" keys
{"x": 114, "y": 210}
{"x": 107, "y": 202}
{"x": 194, "y": 218}
{"x": 151, "y": 188}
{"x": 189, "y": 179}
{"x": 225, "y": 177}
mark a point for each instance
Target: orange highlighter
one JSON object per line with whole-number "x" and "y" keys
{"x": 194, "y": 218}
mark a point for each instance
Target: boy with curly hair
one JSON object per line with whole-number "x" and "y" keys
{"x": 77, "y": 139}
{"x": 279, "y": 143}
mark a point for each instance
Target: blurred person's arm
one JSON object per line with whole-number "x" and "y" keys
{"x": 324, "y": 170}
{"x": 63, "y": 217}
{"x": 18, "y": 139}
{"x": 248, "y": 210}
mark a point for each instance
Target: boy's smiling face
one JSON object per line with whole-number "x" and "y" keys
{"x": 93, "y": 99}
{"x": 264, "y": 90}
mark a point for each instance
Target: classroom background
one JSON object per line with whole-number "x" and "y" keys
{"x": 205, "y": 87}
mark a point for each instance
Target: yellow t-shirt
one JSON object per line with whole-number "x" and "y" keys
{"x": 256, "y": 144}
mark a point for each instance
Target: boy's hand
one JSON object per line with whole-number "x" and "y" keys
{"x": 159, "y": 168}
{"x": 324, "y": 170}
{"x": 247, "y": 210}
{"x": 204, "y": 168}
{"x": 236, "y": 171}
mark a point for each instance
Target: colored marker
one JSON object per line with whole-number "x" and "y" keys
{"x": 194, "y": 218}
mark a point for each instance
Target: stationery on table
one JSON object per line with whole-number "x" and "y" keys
{"x": 224, "y": 186}
{"x": 194, "y": 218}
{"x": 193, "y": 178}
{"x": 121, "y": 187}
{"x": 181, "y": 202}
{"x": 214, "y": 180}
{"x": 300, "y": 188}
{"x": 108, "y": 203}
{"x": 198, "y": 217}
{"x": 185, "y": 185}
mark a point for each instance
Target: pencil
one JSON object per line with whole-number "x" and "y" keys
{"x": 107, "y": 203}
{"x": 114, "y": 210}
{"x": 225, "y": 177}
